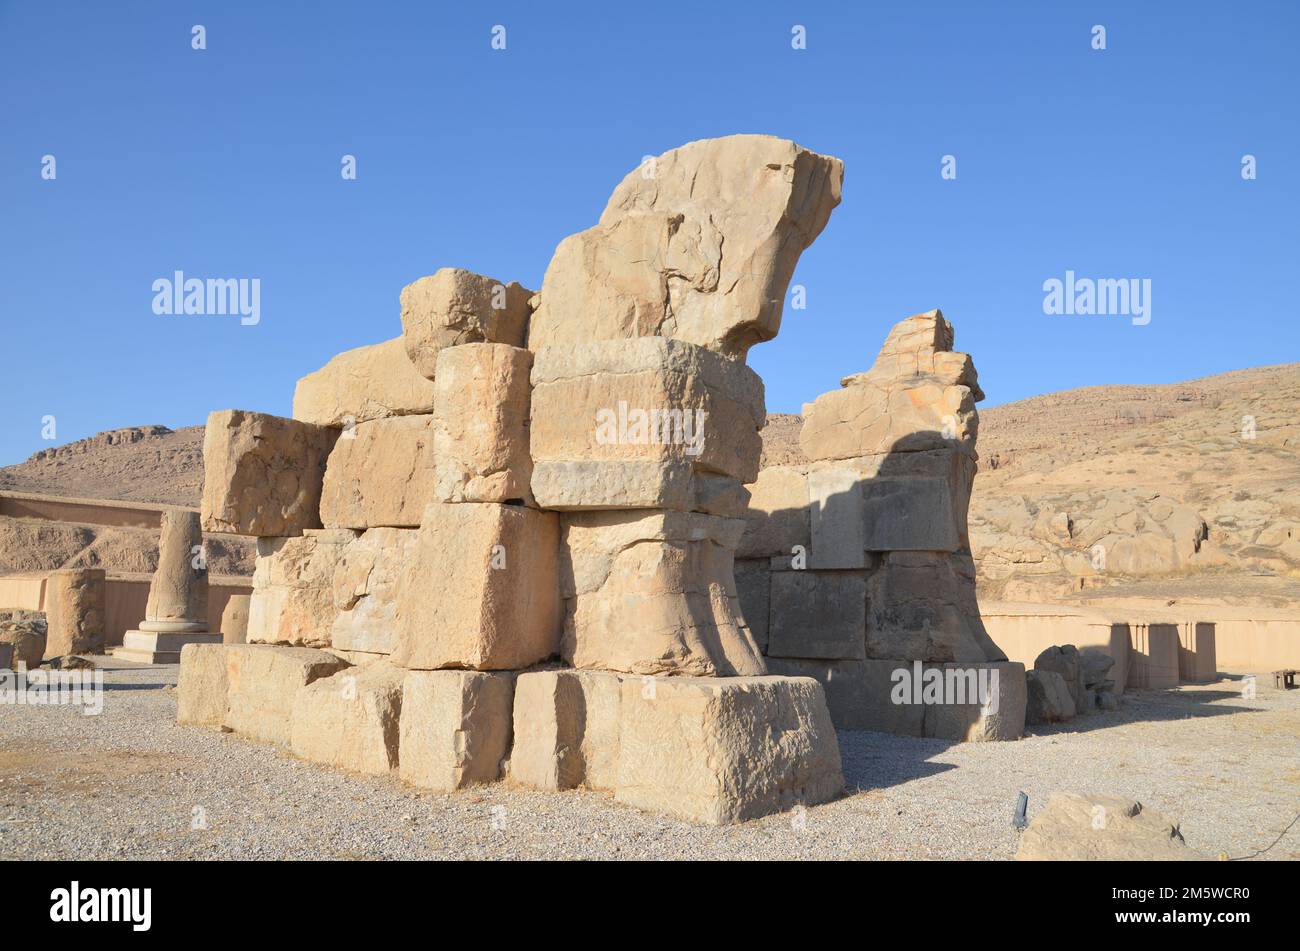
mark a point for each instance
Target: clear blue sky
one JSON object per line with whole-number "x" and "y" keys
{"x": 225, "y": 163}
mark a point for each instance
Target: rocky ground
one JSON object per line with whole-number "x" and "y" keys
{"x": 131, "y": 784}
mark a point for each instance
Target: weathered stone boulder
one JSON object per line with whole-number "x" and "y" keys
{"x": 1066, "y": 661}
{"x": 566, "y": 729}
{"x": 350, "y": 720}
{"x": 455, "y": 727}
{"x": 1049, "y": 699}
{"x": 651, "y": 592}
{"x": 262, "y": 474}
{"x": 481, "y": 589}
{"x": 452, "y": 307}
{"x": 27, "y": 639}
{"x": 263, "y": 684}
{"x": 371, "y": 382}
{"x": 481, "y": 423}
{"x": 698, "y": 244}
{"x": 74, "y": 611}
{"x": 1072, "y": 827}
{"x": 719, "y": 750}
{"x": 380, "y": 474}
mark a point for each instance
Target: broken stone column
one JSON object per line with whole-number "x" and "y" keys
{"x": 177, "y": 611}
{"x": 74, "y": 612}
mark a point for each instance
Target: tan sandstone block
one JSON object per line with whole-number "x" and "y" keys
{"x": 452, "y": 307}
{"x": 655, "y": 264}
{"x": 481, "y": 429}
{"x": 263, "y": 683}
{"x": 917, "y": 396}
{"x": 202, "y": 687}
{"x": 350, "y": 720}
{"x": 380, "y": 474}
{"x": 365, "y": 589}
{"x": 367, "y": 383}
{"x": 566, "y": 729}
{"x": 455, "y": 727}
{"x": 653, "y": 400}
{"x": 650, "y": 592}
{"x": 777, "y": 518}
{"x": 819, "y": 614}
{"x": 481, "y": 590}
{"x": 922, "y": 606}
{"x": 293, "y": 588}
{"x": 262, "y": 474}
{"x": 718, "y": 750}
{"x": 74, "y": 611}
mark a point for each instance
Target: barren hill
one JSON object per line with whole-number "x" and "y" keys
{"x": 135, "y": 464}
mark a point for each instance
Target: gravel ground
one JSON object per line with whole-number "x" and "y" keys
{"x": 129, "y": 783}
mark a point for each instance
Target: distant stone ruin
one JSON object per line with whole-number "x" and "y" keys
{"x": 503, "y": 545}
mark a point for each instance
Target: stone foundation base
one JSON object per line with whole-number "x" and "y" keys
{"x": 157, "y": 647}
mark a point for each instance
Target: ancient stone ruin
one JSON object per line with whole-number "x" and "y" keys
{"x": 503, "y": 546}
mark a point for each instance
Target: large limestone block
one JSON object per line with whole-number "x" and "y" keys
{"x": 566, "y": 729}
{"x": 202, "y": 687}
{"x": 455, "y": 727}
{"x": 1072, "y": 827}
{"x": 367, "y": 383}
{"x": 651, "y": 592}
{"x": 262, "y": 474}
{"x": 1047, "y": 698}
{"x": 481, "y": 423}
{"x": 350, "y": 720}
{"x": 365, "y": 589}
{"x": 859, "y": 693}
{"x": 452, "y": 307}
{"x": 918, "y": 396}
{"x": 653, "y": 400}
{"x": 820, "y": 614}
{"x": 921, "y": 606}
{"x": 74, "y": 611}
{"x": 380, "y": 474}
{"x": 909, "y": 514}
{"x": 777, "y": 518}
{"x": 719, "y": 750}
{"x": 293, "y": 588}
{"x": 263, "y": 683}
{"x": 481, "y": 589}
{"x": 980, "y": 702}
{"x": 698, "y": 244}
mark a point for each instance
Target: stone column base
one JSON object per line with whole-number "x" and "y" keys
{"x": 154, "y": 647}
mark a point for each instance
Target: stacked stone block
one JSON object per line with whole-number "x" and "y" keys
{"x": 503, "y": 545}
